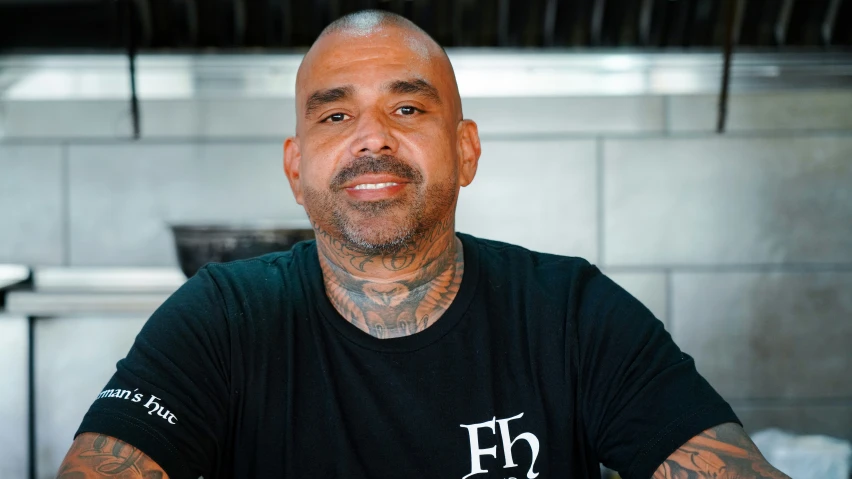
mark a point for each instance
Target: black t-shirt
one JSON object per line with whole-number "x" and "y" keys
{"x": 541, "y": 367}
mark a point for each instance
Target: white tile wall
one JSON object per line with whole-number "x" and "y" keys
{"x": 13, "y": 397}
{"x": 75, "y": 357}
{"x": 219, "y": 118}
{"x": 537, "y": 194}
{"x": 829, "y": 419}
{"x": 710, "y": 201}
{"x": 648, "y": 288}
{"x": 31, "y": 205}
{"x": 772, "y": 111}
{"x": 601, "y": 115}
{"x": 66, "y": 119}
{"x": 122, "y": 197}
{"x": 767, "y": 334}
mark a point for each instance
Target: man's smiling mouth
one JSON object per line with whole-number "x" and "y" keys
{"x": 374, "y": 186}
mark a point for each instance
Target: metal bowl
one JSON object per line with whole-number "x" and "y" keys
{"x": 198, "y": 245}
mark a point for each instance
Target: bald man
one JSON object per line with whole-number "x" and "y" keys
{"x": 393, "y": 346}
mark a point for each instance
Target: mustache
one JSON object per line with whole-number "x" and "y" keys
{"x": 382, "y": 164}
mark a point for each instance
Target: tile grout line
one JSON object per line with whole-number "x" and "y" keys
{"x": 66, "y": 207}
{"x": 599, "y": 197}
{"x": 669, "y": 301}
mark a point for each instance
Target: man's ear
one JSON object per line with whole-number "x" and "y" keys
{"x": 292, "y": 163}
{"x": 469, "y": 151}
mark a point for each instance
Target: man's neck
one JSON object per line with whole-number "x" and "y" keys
{"x": 397, "y": 294}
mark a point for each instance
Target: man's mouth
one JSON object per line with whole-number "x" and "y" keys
{"x": 374, "y": 186}
{"x": 374, "y": 181}
{"x": 374, "y": 174}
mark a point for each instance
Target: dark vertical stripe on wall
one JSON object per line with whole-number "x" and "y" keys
{"x": 31, "y": 421}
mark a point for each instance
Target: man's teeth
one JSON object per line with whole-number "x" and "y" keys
{"x": 373, "y": 186}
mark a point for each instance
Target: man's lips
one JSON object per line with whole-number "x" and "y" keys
{"x": 375, "y": 187}
{"x": 374, "y": 181}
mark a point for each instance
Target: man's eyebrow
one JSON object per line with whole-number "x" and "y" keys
{"x": 323, "y": 97}
{"x": 416, "y": 86}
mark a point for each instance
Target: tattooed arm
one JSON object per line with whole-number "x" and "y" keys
{"x": 97, "y": 456}
{"x": 723, "y": 452}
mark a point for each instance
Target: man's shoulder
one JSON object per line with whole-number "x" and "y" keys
{"x": 249, "y": 267}
{"x": 275, "y": 273}
{"x": 522, "y": 269}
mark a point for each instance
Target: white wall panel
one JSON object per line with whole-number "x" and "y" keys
{"x": 537, "y": 194}
{"x": 123, "y": 197}
{"x": 706, "y": 201}
{"x": 31, "y": 205}
{"x": 75, "y": 357}
{"x": 14, "y": 435}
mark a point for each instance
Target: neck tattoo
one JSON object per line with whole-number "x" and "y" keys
{"x": 393, "y": 295}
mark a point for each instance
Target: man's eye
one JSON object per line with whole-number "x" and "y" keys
{"x": 407, "y": 110}
{"x": 336, "y": 118}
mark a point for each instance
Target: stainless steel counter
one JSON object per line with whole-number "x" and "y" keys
{"x": 11, "y": 274}
{"x": 107, "y": 280}
{"x": 83, "y": 304}
{"x": 61, "y": 292}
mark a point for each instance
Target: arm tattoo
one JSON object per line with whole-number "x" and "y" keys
{"x": 98, "y": 456}
{"x": 723, "y": 452}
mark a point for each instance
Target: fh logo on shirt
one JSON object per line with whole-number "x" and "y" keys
{"x": 476, "y": 452}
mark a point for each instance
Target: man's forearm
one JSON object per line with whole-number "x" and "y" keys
{"x": 723, "y": 452}
{"x": 98, "y": 456}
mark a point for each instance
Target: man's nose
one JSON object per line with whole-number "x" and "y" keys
{"x": 374, "y": 135}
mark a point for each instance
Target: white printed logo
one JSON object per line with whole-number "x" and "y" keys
{"x": 152, "y": 405}
{"x": 476, "y": 452}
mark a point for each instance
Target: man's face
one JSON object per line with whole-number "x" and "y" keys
{"x": 376, "y": 158}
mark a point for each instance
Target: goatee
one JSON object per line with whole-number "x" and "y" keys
{"x": 383, "y": 227}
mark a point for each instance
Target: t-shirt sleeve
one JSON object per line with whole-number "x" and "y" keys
{"x": 641, "y": 396}
{"x": 169, "y": 396}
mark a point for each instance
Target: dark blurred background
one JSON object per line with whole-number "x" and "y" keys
{"x": 167, "y": 25}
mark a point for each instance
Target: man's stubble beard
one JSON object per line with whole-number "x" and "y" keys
{"x": 355, "y": 224}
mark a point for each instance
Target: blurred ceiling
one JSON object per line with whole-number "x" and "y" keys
{"x": 201, "y": 25}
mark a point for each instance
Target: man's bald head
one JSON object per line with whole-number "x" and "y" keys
{"x": 373, "y": 28}
{"x": 367, "y": 21}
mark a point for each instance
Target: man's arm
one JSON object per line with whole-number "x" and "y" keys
{"x": 95, "y": 456}
{"x": 722, "y": 452}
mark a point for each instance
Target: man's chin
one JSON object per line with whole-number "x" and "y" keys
{"x": 379, "y": 239}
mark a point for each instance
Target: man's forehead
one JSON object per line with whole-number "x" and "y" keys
{"x": 346, "y": 56}
{"x": 343, "y": 63}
